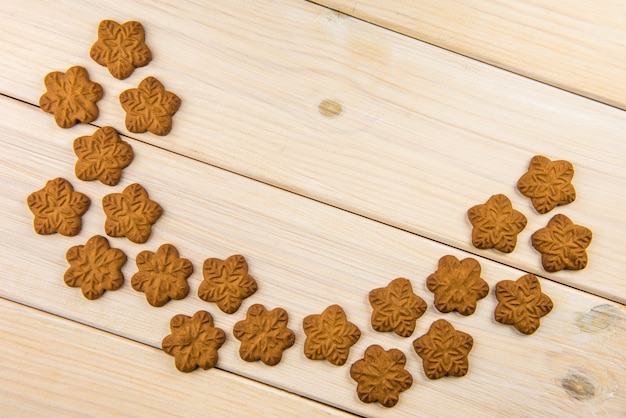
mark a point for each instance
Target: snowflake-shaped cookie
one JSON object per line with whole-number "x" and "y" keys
{"x": 444, "y": 350}
{"x": 149, "y": 107}
{"x": 95, "y": 267}
{"x": 381, "y": 376}
{"x": 264, "y": 335}
{"x": 226, "y": 282}
{"x": 496, "y": 224}
{"x": 130, "y": 214}
{"x": 102, "y": 156}
{"x": 58, "y": 208}
{"x": 71, "y": 97}
{"x": 521, "y": 303}
{"x": 194, "y": 341}
{"x": 457, "y": 285}
{"x": 162, "y": 275}
{"x": 396, "y": 308}
{"x": 562, "y": 244}
{"x": 548, "y": 183}
{"x": 329, "y": 335}
{"x": 121, "y": 48}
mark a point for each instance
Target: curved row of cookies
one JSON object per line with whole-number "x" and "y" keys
{"x": 162, "y": 276}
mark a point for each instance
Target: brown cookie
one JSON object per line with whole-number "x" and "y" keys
{"x": 71, "y": 97}
{"x": 226, "y": 282}
{"x": 521, "y": 303}
{"x": 562, "y": 244}
{"x": 444, "y": 350}
{"x": 58, "y": 208}
{"x": 381, "y": 376}
{"x": 121, "y": 48}
{"x": 162, "y": 275}
{"x": 329, "y": 335}
{"x": 548, "y": 183}
{"x": 149, "y": 107}
{"x": 130, "y": 214}
{"x": 264, "y": 335}
{"x": 194, "y": 341}
{"x": 95, "y": 267}
{"x": 457, "y": 285}
{"x": 102, "y": 156}
{"x": 396, "y": 308}
{"x": 496, "y": 224}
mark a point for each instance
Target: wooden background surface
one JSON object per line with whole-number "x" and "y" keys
{"x": 325, "y": 205}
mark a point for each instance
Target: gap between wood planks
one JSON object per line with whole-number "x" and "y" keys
{"x": 333, "y": 206}
{"x": 501, "y": 67}
{"x": 2, "y": 298}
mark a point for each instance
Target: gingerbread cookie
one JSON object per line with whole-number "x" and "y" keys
{"x": 264, "y": 335}
{"x": 95, "y": 267}
{"x": 562, "y": 244}
{"x": 58, "y": 208}
{"x": 548, "y": 183}
{"x": 194, "y": 341}
{"x": 444, "y": 350}
{"x": 496, "y": 224}
{"x": 130, "y": 214}
{"x": 149, "y": 107}
{"x": 396, "y": 308}
{"x": 521, "y": 303}
{"x": 329, "y": 335}
{"x": 102, "y": 156}
{"x": 226, "y": 282}
{"x": 457, "y": 285}
{"x": 162, "y": 275}
{"x": 381, "y": 376}
{"x": 71, "y": 97}
{"x": 121, "y": 48}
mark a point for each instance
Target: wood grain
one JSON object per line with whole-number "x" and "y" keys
{"x": 578, "y": 46}
{"x": 305, "y": 256}
{"x": 68, "y": 369}
{"x": 423, "y": 134}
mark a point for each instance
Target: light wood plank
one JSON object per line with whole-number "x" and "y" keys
{"x": 57, "y": 368}
{"x": 579, "y": 46}
{"x": 424, "y": 135}
{"x": 305, "y": 256}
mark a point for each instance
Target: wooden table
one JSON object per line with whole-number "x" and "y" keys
{"x": 336, "y": 150}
